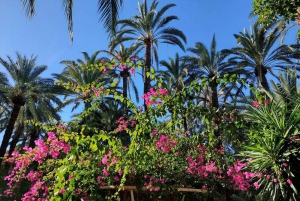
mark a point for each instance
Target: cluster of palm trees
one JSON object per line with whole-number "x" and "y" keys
{"x": 32, "y": 97}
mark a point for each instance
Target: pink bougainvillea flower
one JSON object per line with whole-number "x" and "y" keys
{"x": 123, "y": 68}
{"x": 120, "y": 172}
{"x": 275, "y": 180}
{"x": 255, "y": 104}
{"x": 256, "y": 184}
{"x": 154, "y": 132}
{"x": 104, "y": 70}
{"x": 266, "y": 101}
{"x": 131, "y": 71}
{"x": 285, "y": 164}
{"x": 119, "y": 57}
{"x": 289, "y": 181}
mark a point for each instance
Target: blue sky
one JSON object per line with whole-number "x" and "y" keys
{"x": 46, "y": 35}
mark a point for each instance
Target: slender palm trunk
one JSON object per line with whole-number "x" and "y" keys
{"x": 15, "y": 139}
{"x": 33, "y": 137}
{"x": 214, "y": 94}
{"x": 124, "y": 75}
{"x": 264, "y": 82}
{"x": 260, "y": 72}
{"x": 9, "y": 130}
{"x": 147, "y": 69}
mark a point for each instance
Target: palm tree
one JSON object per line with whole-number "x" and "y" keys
{"x": 209, "y": 64}
{"x": 46, "y": 111}
{"x": 108, "y": 10}
{"x": 257, "y": 54}
{"x": 81, "y": 73}
{"x": 147, "y": 29}
{"x": 122, "y": 56}
{"x": 175, "y": 76}
{"x": 28, "y": 90}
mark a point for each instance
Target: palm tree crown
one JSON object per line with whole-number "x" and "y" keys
{"x": 147, "y": 29}
{"x": 29, "y": 89}
{"x": 257, "y": 55}
{"x": 207, "y": 63}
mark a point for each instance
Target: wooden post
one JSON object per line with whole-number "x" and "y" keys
{"x": 131, "y": 195}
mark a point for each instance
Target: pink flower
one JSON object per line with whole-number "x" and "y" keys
{"x": 285, "y": 164}
{"x": 289, "y": 181}
{"x": 51, "y": 136}
{"x": 123, "y": 68}
{"x": 255, "y": 104}
{"x": 119, "y": 57}
{"x": 104, "y": 70}
{"x": 120, "y": 171}
{"x": 131, "y": 71}
{"x": 268, "y": 176}
{"x": 266, "y": 101}
{"x": 133, "y": 123}
{"x": 250, "y": 159}
{"x": 259, "y": 175}
{"x": 275, "y": 180}
{"x": 116, "y": 178}
{"x": 256, "y": 185}
{"x": 105, "y": 172}
{"x": 154, "y": 132}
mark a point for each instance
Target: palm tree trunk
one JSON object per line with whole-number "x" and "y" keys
{"x": 260, "y": 72}
{"x": 264, "y": 82}
{"x": 15, "y": 139}
{"x": 125, "y": 83}
{"x": 147, "y": 69}
{"x": 33, "y": 137}
{"x": 214, "y": 94}
{"x": 9, "y": 130}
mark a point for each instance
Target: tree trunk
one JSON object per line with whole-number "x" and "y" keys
{"x": 147, "y": 68}
{"x": 214, "y": 98}
{"x": 261, "y": 72}
{"x": 264, "y": 82}
{"x": 125, "y": 75}
{"x": 33, "y": 137}
{"x": 9, "y": 130}
{"x": 15, "y": 139}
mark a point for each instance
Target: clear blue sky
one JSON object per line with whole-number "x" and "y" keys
{"x": 46, "y": 35}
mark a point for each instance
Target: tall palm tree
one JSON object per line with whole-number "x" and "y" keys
{"x": 210, "y": 64}
{"x": 175, "y": 76}
{"x": 107, "y": 9}
{"x": 147, "y": 29}
{"x": 28, "y": 89}
{"x": 122, "y": 56}
{"x": 46, "y": 111}
{"x": 256, "y": 53}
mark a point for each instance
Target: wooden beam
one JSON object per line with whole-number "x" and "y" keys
{"x": 131, "y": 188}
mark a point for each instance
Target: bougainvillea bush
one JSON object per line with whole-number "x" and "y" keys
{"x": 164, "y": 153}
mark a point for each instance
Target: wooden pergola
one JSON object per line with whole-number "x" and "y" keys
{"x": 134, "y": 188}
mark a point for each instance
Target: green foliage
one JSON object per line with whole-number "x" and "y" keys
{"x": 269, "y": 11}
{"x": 274, "y": 149}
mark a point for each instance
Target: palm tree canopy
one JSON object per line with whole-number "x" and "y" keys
{"x": 149, "y": 28}
{"x": 108, "y": 10}
{"x": 28, "y": 90}
{"x": 80, "y": 74}
{"x": 257, "y": 54}
{"x": 122, "y": 55}
{"x": 175, "y": 75}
